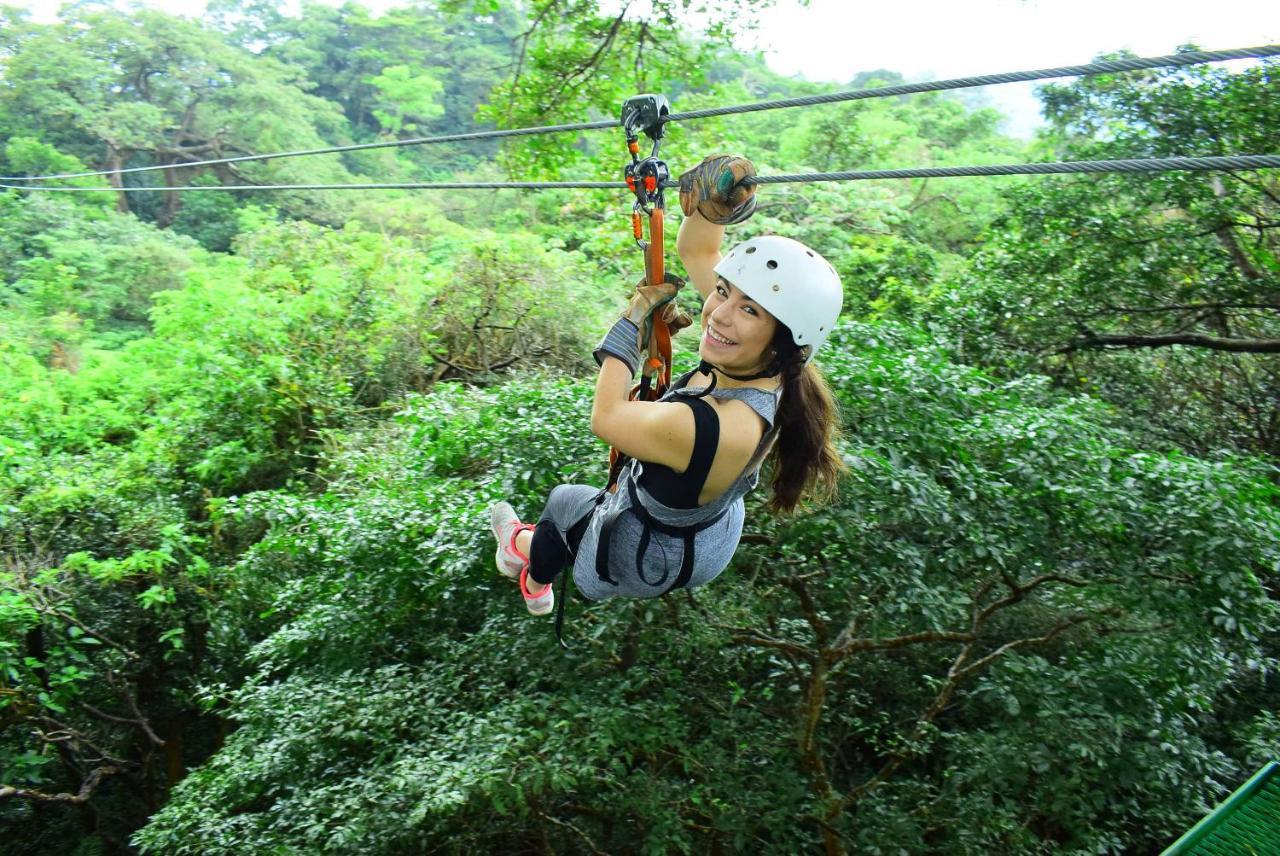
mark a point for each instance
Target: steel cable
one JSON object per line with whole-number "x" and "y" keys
{"x": 414, "y": 141}
{"x": 1225, "y": 162}
{"x": 1124, "y": 165}
{"x": 406, "y": 185}
{"x": 1102, "y": 67}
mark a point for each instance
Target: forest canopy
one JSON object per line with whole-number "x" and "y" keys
{"x": 249, "y": 439}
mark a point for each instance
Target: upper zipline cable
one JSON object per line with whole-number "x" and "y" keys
{"x": 1226, "y": 162}
{"x": 1184, "y": 58}
{"x": 403, "y": 185}
{"x": 415, "y": 141}
{"x": 1100, "y": 67}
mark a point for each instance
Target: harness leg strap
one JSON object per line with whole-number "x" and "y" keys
{"x": 562, "y": 597}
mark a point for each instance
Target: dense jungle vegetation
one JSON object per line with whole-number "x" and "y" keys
{"x": 248, "y": 442}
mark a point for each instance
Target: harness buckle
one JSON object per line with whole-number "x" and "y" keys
{"x": 646, "y": 178}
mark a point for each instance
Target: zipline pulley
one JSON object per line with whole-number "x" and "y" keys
{"x": 646, "y": 177}
{"x": 645, "y": 114}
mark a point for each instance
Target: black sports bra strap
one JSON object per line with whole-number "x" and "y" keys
{"x": 706, "y": 439}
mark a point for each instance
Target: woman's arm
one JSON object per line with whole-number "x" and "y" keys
{"x": 698, "y": 244}
{"x": 659, "y": 432}
{"x": 646, "y": 430}
{"x": 713, "y": 194}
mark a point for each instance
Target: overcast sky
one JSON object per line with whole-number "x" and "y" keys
{"x": 832, "y": 40}
{"x": 932, "y": 39}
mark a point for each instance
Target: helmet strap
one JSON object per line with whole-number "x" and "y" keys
{"x": 770, "y": 370}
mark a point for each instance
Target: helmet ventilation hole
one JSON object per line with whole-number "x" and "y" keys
{"x": 777, "y": 287}
{"x": 771, "y": 264}
{"x": 810, "y": 254}
{"x": 750, "y": 250}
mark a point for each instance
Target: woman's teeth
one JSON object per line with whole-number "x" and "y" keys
{"x": 717, "y": 337}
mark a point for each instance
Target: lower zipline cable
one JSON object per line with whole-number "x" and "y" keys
{"x": 1226, "y": 162}
{"x": 1125, "y": 165}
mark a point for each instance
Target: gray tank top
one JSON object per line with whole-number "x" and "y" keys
{"x": 718, "y": 524}
{"x": 763, "y": 403}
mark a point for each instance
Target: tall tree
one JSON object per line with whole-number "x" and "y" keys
{"x": 144, "y": 89}
{"x": 1083, "y": 267}
{"x": 1174, "y": 258}
{"x": 574, "y": 59}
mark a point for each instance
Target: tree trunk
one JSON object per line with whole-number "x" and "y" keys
{"x": 115, "y": 162}
{"x": 172, "y": 199}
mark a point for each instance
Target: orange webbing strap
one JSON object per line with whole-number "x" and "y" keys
{"x": 656, "y": 369}
{"x": 659, "y": 361}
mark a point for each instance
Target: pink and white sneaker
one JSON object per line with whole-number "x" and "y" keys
{"x": 540, "y": 603}
{"x": 513, "y": 564}
{"x": 506, "y": 526}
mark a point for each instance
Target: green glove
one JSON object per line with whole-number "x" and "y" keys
{"x": 715, "y": 190}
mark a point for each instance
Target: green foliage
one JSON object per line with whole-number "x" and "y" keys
{"x": 1033, "y": 623}
{"x": 113, "y": 450}
{"x": 408, "y": 94}
{"x": 424, "y": 68}
{"x": 213, "y": 219}
{"x": 402, "y": 673}
{"x": 29, "y": 156}
{"x": 112, "y": 88}
{"x": 81, "y": 646}
{"x": 75, "y": 276}
{"x": 578, "y": 60}
{"x": 1080, "y": 268}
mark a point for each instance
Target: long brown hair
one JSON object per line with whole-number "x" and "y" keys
{"x": 805, "y": 462}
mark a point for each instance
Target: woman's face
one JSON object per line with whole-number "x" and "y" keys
{"x": 736, "y": 331}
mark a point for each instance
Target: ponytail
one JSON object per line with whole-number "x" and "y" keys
{"x": 804, "y": 458}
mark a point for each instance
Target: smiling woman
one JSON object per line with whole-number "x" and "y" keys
{"x": 735, "y": 326}
{"x": 676, "y": 515}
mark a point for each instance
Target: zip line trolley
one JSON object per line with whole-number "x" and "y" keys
{"x": 646, "y": 177}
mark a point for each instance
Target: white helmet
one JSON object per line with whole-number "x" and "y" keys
{"x": 792, "y": 282}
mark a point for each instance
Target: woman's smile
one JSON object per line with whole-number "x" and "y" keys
{"x": 716, "y": 340}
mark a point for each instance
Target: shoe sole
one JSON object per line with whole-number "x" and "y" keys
{"x": 499, "y": 556}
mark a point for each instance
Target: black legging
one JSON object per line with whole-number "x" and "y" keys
{"x": 549, "y": 553}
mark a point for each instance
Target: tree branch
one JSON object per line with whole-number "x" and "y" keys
{"x": 850, "y": 646}
{"x": 61, "y": 734}
{"x": 1173, "y": 307}
{"x": 747, "y": 636}
{"x": 1020, "y": 643}
{"x": 1259, "y": 186}
{"x": 1227, "y": 238}
{"x": 1099, "y": 341}
{"x": 585, "y": 838}
{"x": 87, "y": 788}
{"x": 821, "y": 629}
{"x": 593, "y": 60}
{"x": 141, "y": 723}
{"x": 88, "y": 631}
{"x": 524, "y": 38}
